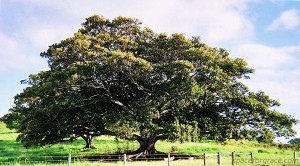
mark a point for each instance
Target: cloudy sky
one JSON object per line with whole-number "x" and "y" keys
{"x": 266, "y": 33}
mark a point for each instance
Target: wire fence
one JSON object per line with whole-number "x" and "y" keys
{"x": 31, "y": 160}
{"x": 127, "y": 159}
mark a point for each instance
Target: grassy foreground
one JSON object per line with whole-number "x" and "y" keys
{"x": 263, "y": 154}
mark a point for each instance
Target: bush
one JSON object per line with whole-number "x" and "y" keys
{"x": 174, "y": 149}
{"x": 262, "y": 151}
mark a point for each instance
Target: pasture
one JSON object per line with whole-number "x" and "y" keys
{"x": 263, "y": 153}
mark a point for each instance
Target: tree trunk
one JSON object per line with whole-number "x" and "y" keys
{"x": 147, "y": 146}
{"x": 88, "y": 141}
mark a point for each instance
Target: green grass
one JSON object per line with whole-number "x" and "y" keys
{"x": 10, "y": 149}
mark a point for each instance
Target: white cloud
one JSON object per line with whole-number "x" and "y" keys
{"x": 14, "y": 55}
{"x": 263, "y": 57}
{"x": 36, "y": 24}
{"x": 216, "y": 21}
{"x": 7, "y": 51}
{"x": 277, "y": 72}
{"x": 288, "y": 19}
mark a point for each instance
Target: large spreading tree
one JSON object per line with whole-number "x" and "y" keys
{"x": 118, "y": 78}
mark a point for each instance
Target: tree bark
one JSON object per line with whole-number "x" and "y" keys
{"x": 88, "y": 141}
{"x": 147, "y": 146}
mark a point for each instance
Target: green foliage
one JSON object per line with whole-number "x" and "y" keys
{"x": 266, "y": 136}
{"x": 294, "y": 141}
{"x": 114, "y": 77}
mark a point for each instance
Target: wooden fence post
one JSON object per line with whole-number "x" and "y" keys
{"x": 204, "y": 158}
{"x": 69, "y": 159}
{"x": 219, "y": 158}
{"x": 232, "y": 158}
{"x": 295, "y": 157}
{"x": 124, "y": 159}
{"x": 169, "y": 159}
{"x": 252, "y": 158}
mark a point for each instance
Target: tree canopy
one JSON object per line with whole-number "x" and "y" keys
{"x": 115, "y": 77}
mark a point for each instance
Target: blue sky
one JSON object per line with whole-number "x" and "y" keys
{"x": 266, "y": 33}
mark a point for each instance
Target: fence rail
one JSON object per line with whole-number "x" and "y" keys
{"x": 33, "y": 160}
{"x": 70, "y": 159}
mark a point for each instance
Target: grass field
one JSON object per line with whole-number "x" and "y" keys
{"x": 263, "y": 154}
